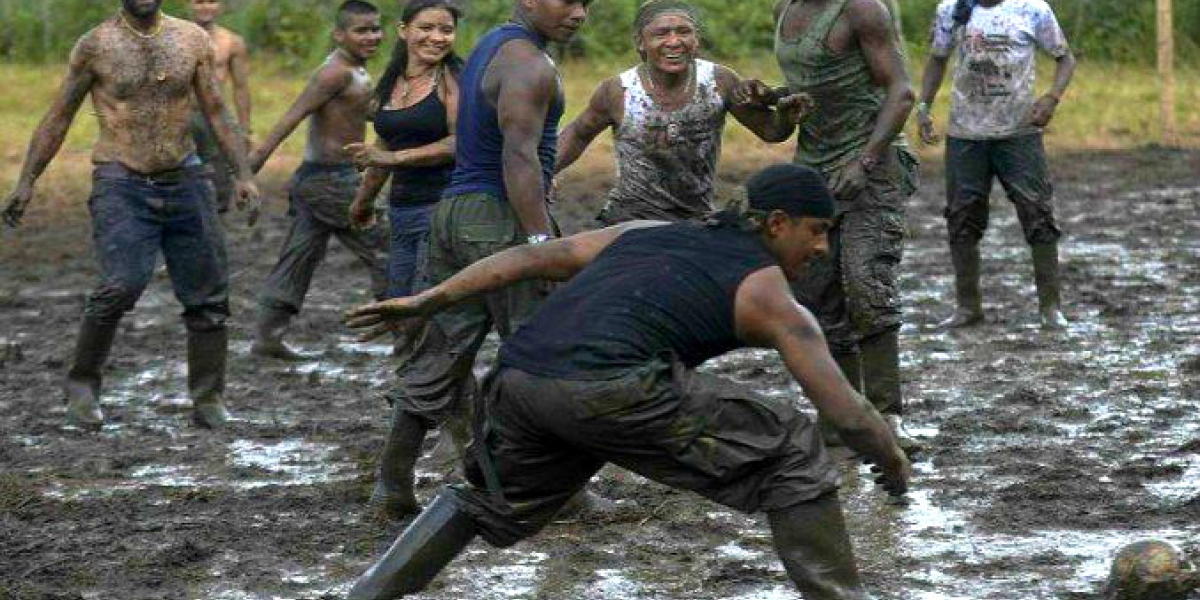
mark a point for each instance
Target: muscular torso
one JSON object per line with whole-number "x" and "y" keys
{"x": 342, "y": 120}
{"x": 142, "y": 93}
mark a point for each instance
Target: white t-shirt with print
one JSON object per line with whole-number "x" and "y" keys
{"x": 993, "y": 75}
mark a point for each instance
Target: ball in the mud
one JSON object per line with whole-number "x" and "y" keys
{"x": 1150, "y": 570}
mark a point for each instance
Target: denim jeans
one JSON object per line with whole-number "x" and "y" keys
{"x": 1020, "y": 165}
{"x": 136, "y": 216}
{"x": 409, "y": 244}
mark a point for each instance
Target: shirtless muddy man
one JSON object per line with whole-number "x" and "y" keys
{"x": 149, "y": 192}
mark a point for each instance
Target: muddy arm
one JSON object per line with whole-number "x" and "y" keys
{"x": 323, "y": 86}
{"x": 874, "y": 27}
{"x": 772, "y": 124}
{"x": 52, "y": 130}
{"x": 555, "y": 260}
{"x": 528, "y": 83}
{"x": 767, "y": 315}
{"x": 239, "y": 73}
{"x": 208, "y": 96}
{"x": 594, "y": 119}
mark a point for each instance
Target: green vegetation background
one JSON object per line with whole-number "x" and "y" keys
{"x": 297, "y": 30}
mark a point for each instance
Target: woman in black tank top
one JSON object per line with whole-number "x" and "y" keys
{"x": 415, "y": 106}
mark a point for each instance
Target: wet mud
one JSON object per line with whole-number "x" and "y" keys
{"x": 1047, "y": 451}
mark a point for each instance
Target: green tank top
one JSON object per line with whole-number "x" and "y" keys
{"x": 847, "y": 100}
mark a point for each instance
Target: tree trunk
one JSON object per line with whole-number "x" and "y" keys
{"x": 1166, "y": 73}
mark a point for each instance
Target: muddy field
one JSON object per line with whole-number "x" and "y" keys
{"x": 1049, "y": 451}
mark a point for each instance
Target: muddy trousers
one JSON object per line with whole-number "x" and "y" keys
{"x": 320, "y": 203}
{"x": 854, "y": 291}
{"x": 1020, "y": 165}
{"x": 436, "y": 383}
{"x": 135, "y": 218}
{"x": 810, "y": 539}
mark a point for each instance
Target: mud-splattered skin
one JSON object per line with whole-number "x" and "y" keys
{"x": 142, "y": 82}
{"x": 337, "y": 98}
{"x": 142, "y": 91}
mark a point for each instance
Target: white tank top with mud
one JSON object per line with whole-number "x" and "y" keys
{"x": 667, "y": 159}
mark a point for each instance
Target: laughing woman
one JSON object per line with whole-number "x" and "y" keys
{"x": 416, "y": 100}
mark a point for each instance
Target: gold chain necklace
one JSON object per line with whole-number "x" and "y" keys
{"x": 145, "y": 36}
{"x": 654, "y": 91}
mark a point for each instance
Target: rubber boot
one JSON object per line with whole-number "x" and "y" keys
{"x": 851, "y": 366}
{"x": 392, "y": 498}
{"x": 881, "y": 384}
{"x": 207, "y": 351}
{"x": 811, "y": 540}
{"x": 437, "y": 535}
{"x": 268, "y": 336}
{"x": 966, "y": 287}
{"x": 82, "y": 387}
{"x": 1049, "y": 289}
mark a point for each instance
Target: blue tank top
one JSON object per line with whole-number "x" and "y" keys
{"x": 477, "y": 162}
{"x": 654, "y": 291}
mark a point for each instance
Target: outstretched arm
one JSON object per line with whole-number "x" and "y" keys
{"x": 323, "y": 86}
{"x": 555, "y": 260}
{"x": 772, "y": 121}
{"x": 52, "y": 130}
{"x": 768, "y": 315}
{"x": 598, "y": 116}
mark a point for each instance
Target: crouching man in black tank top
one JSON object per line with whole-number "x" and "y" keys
{"x": 604, "y": 371}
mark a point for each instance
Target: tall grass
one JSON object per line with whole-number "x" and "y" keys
{"x": 297, "y": 30}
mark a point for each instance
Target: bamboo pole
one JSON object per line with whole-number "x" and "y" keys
{"x": 1166, "y": 73}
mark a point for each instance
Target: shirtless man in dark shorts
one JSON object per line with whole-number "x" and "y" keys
{"x": 604, "y": 371}
{"x": 337, "y": 104}
{"x": 142, "y": 69}
{"x": 231, "y": 65}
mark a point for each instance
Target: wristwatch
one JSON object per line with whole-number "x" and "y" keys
{"x": 536, "y": 238}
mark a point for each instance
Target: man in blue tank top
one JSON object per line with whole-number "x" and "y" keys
{"x": 605, "y": 372}
{"x": 509, "y": 108}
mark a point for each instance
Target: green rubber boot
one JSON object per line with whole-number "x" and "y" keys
{"x": 1049, "y": 288}
{"x": 82, "y": 388}
{"x": 207, "y": 351}
{"x": 812, "y": 543}
{"x": 966, "y": 287}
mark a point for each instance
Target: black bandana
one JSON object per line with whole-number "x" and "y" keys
{"x": 797, "y": 190}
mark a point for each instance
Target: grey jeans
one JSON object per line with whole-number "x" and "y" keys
{"x": 320, "y": 203}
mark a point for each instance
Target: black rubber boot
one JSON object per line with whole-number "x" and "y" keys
{"x": 268, "y": 336}
{"x": 82, "y": 387}
{"x": 966, "y": 287}
{"x": 207, "y": 351}
{"x": 393, "y": 498}
{"x": 1049, "y": 289}
{"x": 851, "y": 366}
{"x": 811, "y": 540}
{"x": 881, "y": 383}
{"x": 437, "y": 535}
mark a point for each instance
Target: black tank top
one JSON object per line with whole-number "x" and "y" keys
{"x": 418, "y": 125}
{"x": 654, "y": 291}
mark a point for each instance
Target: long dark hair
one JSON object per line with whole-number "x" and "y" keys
{"x": 398, "y": 64}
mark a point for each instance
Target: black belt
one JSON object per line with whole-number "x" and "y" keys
{"x": 168, "y": 177}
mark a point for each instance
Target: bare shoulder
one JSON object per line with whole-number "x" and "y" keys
{"x": 527, "y": 58}
{"x": 187, "y": 30}
{"x": 868, "y": 14}
{"x": 333, "y": 74}
{"x": 765, "y": 308}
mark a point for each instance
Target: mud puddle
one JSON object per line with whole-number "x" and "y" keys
{"x": 1046, "y": 451}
